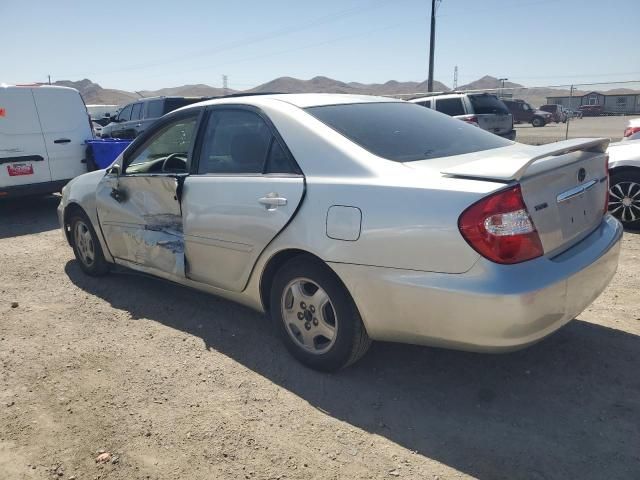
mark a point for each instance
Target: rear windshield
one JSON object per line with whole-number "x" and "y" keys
{"x": 404, "y": 132}
{"x": 483, "y": 104}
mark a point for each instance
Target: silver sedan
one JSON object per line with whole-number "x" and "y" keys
{"x": 352, "y": 218}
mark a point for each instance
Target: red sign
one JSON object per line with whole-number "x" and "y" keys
{"x": 18, "y": 169}
{"x": 3, "y": 112}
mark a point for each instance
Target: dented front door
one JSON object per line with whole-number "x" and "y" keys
{"x": 141, "y": 219}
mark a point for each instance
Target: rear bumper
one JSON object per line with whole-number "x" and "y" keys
{"x": 491, "y": 307}
{"x": 32, "y": 189}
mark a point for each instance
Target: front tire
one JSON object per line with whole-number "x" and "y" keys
{"x": 624, "y": 198}
{"x": 86, "y": 246}
{"x": 316, "y": 317}
{"x": 537, "y": 122}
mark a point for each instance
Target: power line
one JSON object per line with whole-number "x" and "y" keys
{"x": 252, "y": 39}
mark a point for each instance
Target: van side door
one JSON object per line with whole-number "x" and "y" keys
{"x": 23, "y": 156}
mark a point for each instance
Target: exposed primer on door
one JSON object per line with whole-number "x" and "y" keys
{"x": 144, "y": 224}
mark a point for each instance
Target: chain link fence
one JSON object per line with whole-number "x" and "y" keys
{"x": 558, "y": 112}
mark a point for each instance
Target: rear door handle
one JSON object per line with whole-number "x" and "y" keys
{"x": 62, "y": 140}
{"x": 273, "y": 200}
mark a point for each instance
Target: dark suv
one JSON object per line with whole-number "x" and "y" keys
{"x": 523, "y": 113}
{"x": 136, "y": 117}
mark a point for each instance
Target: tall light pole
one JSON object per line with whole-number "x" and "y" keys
{"x": 432, "y": 45}
{"x": 502, "y": 80}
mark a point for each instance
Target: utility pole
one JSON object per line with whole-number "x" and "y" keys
{"x": 49, "y": 79}
{"x": 455, "y": 77}
{"x": 432, "y": 45}
{"x": 225, "y": 85}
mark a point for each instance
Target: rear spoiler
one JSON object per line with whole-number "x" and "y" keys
{"x": 512, "y": 167}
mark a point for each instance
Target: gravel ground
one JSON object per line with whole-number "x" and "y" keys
{"x": 168, "y": 383}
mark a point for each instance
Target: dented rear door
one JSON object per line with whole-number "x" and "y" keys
{"x": 141, "y": 219}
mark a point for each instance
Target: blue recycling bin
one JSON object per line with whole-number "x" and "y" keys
{"x": 102, "y": 152}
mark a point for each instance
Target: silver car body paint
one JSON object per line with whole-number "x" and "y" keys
{"x": 410, "y": 272}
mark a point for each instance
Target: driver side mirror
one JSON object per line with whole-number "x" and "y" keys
{"x": 114, "y": 170}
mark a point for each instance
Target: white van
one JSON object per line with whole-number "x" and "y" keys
{"x": 42, "y": 135}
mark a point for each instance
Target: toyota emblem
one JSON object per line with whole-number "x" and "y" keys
{"x": 582, "y": 174}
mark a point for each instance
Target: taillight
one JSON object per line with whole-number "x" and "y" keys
{"x": 471, "y": 119}
{"x": 500, "y": 229}
{"x": 630, "y": 131}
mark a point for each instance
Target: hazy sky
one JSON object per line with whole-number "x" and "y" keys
{"x": 145, "y": 44}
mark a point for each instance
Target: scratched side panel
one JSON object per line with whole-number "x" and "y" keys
{"x": 145, "y": 226}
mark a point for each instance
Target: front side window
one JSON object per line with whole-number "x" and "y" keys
{"x": 405, "y": 132}
{"x": 167, "y": 150}
{"x": 450, "y": 106}
{"x": 125, "y": 114}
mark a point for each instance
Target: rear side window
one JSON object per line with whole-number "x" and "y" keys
{"x": 450, "y": 106}
{"x": 484, "y": 104}
{"x": 136, "y": 113}
{"x": 171, "y": 104}
{"x": 155, "y": 109}
{"x": 235, "y": 141}
{"x": 404, "y": 132}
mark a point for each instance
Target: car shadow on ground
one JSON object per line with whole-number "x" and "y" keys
{"x": 28, "y": 215}
{"x": 568, "y": 407}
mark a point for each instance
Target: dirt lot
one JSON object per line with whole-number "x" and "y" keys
{"x": 180, "y": 385}
{"x": 608, "y": 127}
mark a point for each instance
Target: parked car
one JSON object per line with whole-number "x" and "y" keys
{"x": 624, "y": 188}
{"x": 632, "y": 132}
{"x": 352, "y": 219}
{"x": 97, "y": 129}
{"x": 102, "y": 114}
{"x": 135, "y": 118}
{"x": 481, "y": 109}
{"x": 591, "y": 110}
{"x": 557, "y": 113}
{"x": 523, "y": 112}
{"x": 42, "y": 135}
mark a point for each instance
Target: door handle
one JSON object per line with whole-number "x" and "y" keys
{"x": 62, "y": 140}
{"x": 273, "y": 200}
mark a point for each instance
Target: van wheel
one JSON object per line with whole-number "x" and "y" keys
{"x": 316, "y": 317}
{"x": 624, "y": 198}
{"x": 86, "y": 246}
{"x": 537, "y": 122}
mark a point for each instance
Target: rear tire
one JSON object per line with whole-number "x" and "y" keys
{"x": 86, "y": 245}
{"x": 624, "y": 197}
{"x": 316, "y": 317}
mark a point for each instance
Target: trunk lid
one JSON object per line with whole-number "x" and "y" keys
{"x": 564, "y": 186}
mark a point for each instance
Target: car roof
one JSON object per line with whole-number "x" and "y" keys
{"x": 301, "y": 100}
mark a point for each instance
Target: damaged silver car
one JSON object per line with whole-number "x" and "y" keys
{"x": 352, "y": 218}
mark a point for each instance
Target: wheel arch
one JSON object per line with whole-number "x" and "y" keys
{"x": 276, "y": 262}
{"x": 69, "y": 210}
{"x": 624, "y": 168}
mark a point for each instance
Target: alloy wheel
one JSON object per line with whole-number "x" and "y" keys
{"x": 84, "y": 243}
{"x": 624, "y": 201}
{"x": 309, "y": 316}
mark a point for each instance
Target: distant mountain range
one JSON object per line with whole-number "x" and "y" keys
{"x": 536, "y": 96}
